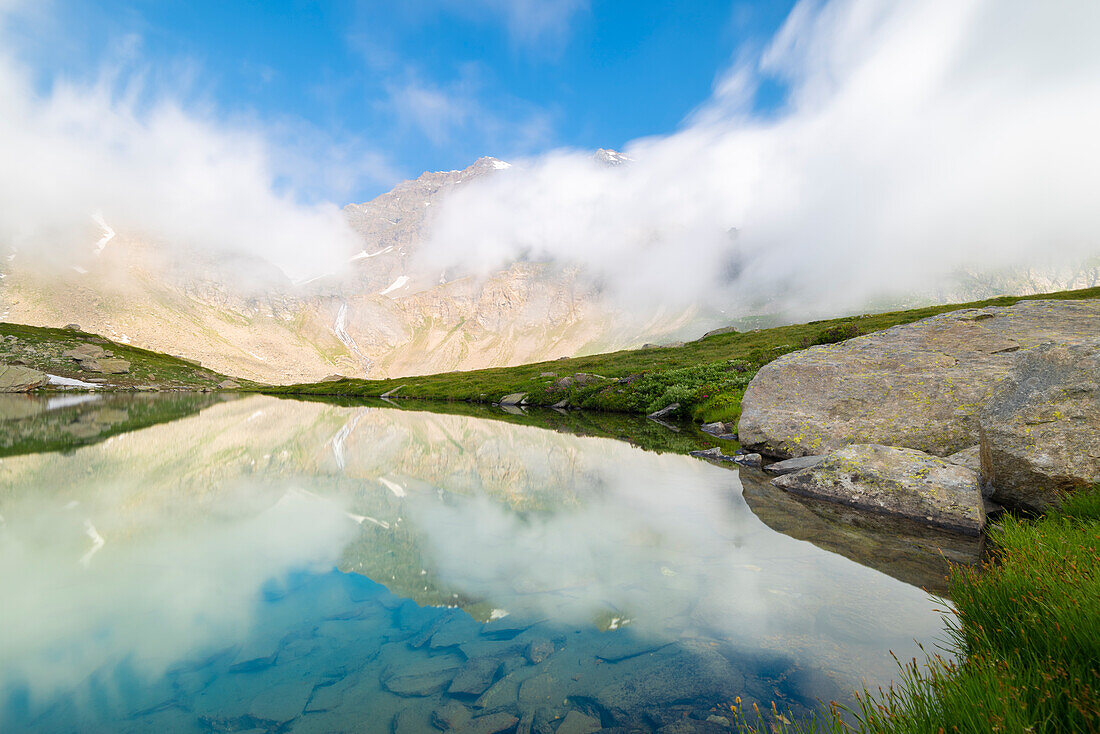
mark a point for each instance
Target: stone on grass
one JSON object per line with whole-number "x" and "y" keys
{"x": 84, "y": 351}
{"x": 516, "y": 398}
{"x": 105, "y": 365}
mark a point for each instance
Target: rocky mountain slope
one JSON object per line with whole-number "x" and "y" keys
{"x": 385, "y": 313}
{"x": 382, "y": 315}
{"x": 34, "y": 357}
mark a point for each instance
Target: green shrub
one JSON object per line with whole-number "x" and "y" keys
{"x": 837, "y": 333}
{"x": 679, "y": 393}
{"x": 723, "y": 406}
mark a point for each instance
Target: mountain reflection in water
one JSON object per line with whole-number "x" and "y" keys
{"x": 290, "y": 566}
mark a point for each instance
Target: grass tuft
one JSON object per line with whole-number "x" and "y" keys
{"x": 1026, "y": 629}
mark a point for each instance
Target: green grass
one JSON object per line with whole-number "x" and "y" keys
{"x": 707, "y": 377}
{"x": 1026, "y": 629}
{"x": 42, "y": 348}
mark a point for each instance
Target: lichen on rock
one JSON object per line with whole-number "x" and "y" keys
{"x": 895, "y": 481}
{"x": 921, "y": 385}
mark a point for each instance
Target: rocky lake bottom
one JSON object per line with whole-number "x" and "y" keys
{"x": 269, "y": 565}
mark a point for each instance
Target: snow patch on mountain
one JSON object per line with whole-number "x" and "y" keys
{"x": 108, "y": 233}
{"x": 363, "y": 255}
{"x": 401, "y": 282}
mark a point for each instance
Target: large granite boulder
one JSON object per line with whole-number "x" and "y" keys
{"x": 895, "y": 481}
{"x": 14, "y": 378}
{"x": 1041, "y": 432}
{"x": 921, "y": 385}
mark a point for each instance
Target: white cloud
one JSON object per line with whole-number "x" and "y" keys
{"x": 920, "y": 137}
{"x": 462, "y": 112}
{"x": 157, "y": 169}
{"x": 532, "y": 22}
{"x": 436, "y": 112}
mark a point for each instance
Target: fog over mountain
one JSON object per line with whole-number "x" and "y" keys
{"x": 922, "y": 144}
{"x": 930, "y": 150}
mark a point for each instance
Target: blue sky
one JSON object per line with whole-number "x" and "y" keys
{"x": 385, "y": 90}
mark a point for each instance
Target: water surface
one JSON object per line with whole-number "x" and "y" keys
{"x": 284, "y": 566}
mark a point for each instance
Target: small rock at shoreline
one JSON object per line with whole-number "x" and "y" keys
{"x": 14, "y": 378}
{"x": 895, "y": 481}
{"x": 665, "y": 412}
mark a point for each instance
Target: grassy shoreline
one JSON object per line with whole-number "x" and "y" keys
{"x": 707, "y": 377}
{"x": 1026, "y": 630}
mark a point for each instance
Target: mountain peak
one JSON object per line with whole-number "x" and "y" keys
{"x": 610, "y": 157}
{"x": 487, "y": 161}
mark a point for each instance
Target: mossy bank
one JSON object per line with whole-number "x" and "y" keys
{"x": 76, "y": 355}
{"x": 706, "y": 377}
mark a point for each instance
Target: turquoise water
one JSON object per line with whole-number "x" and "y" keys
{"x": 282, "y": 566}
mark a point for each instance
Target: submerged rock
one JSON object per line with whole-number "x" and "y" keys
{"x": 895, "y": 481}
{"x": 538, "y": 650}
{"x": 489, "y": 724}
{"x": 577, "y": 723}
{"x": 423, "y": 677}
{"x": 450, "y": 715}
{"x": 14, "y": 378}
{"x": 685, "y": 670}
{"x": 1041, "y": 432}
{"x": 475, "y": 677}
{"x": 921, "y": 385}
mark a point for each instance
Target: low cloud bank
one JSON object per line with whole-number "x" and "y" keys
{"x": 77, "y": 153}
{"x": 918, "y": 139}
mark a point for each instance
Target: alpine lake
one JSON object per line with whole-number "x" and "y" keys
{"x": 221, "y": 563}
